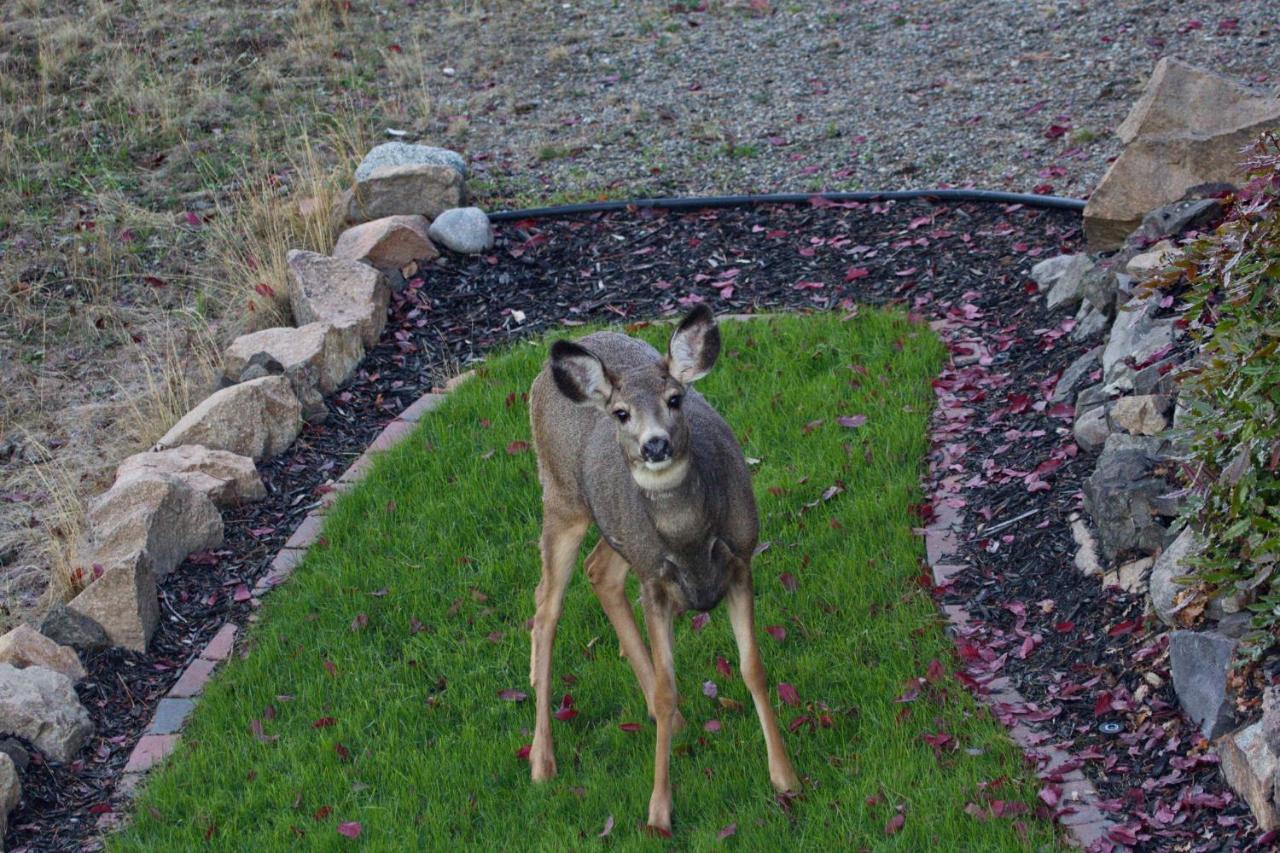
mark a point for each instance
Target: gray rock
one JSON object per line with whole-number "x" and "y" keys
{"x": 1200, "y": 661}
{"x": 41, "y": 706}
{"x": 409, "y": 154}
{"x": 1091, "y": 398}
{"x": 1092, "y": 429}
{"x": 10, "y": 792}
{"x": 13, "y": 748}
{"x": 1122, "y": 494}
{"x": 408, "y": 190}
{"x": 1172, "y": 564}
{"x": 463, "y": 229}
{"x": 1091, "y": 324}
{"x": 1249, "y": 765}
{"x": 1235, "y": 625}
{"x": 1100, "y": 286}
{"x": 1172, "y": 219}
{"x": 1076, "y": 376}
{"x": 1068, "y": 289}
{"x": 73, "y": 629}
{"x": 1156, "y": 378}
{"x": 1046, "y": 273}
{"x": 250, "y": 373}
{"x": 1135, "y": 337}
{"x": 1271, "y": 717}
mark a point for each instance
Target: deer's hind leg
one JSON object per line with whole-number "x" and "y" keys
{"x": 562, "y": 534}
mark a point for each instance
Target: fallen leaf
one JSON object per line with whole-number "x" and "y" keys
{"x": 731, "y": 829}
{"x": 629, "y": 727}
{"x": 788, "y": 694}
{"x": 851, "y": 421}
{"x": 608, "y": 827}
{"x": 351, "y": 829}
{"x": 776, "y": 631}
{"x": 513, "y": 695}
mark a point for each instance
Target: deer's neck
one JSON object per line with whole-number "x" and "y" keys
{"x": 679, "y": 511}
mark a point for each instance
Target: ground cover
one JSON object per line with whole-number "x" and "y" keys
{"x": 373, "y": 694}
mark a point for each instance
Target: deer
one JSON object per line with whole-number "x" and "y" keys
{"x": 623, "y": 441}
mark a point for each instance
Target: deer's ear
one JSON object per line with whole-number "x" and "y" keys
{"x": 694, "y": 346}
{"x": 579, "y": 375}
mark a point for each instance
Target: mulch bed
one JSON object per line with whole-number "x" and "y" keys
{"x": 1082, "y": 660}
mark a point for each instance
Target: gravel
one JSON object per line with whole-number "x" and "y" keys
{"x": 643, "y": 99}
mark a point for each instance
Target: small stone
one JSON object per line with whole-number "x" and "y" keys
{"x": 1153, "y": 260}
{"x": 228, "y": 479}
{"x": 1091, "y": 429}
{"x": 1121, "y": 496}
{"x": 463, "y": 229}
{"x": 1076, "y": 376}
{"x": 1172, "y": 219}
{"x": 257, "y": 419}
{"x": 1101, "y": 286}
{"x": 123, "y": 602}
{"x": 1235, "y": 625}
{"x": 1129, "y": 576}
{"x": 1047, "y": 272}
{"x": 1068, "y": 290}
{"x": 1143, "y": 415}
{"x": 338, "y": 292}
{"x": 317, "y": 355}
{"x": 69, "y": 628}
{"x": 1200, "y": 661}
{"x": 406, "y": 153}
{"x": 41, "y": 706}
{"x": 1249, "y": 766}
{"x": 10, "y": 792}
{"x": 1135, "y": 337}
{"x": 24, "y": 646}
{"x": 1173, "y": 563}
{"x": 1090, "y": 324}
{"x": 1271, "y": 717}
{"x": 387, "y": 243}
{"x": 408, "y": 190}
{"x": 1091, "y": 398}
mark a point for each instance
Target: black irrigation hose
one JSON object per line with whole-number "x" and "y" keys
{"x": 700, "y": 202}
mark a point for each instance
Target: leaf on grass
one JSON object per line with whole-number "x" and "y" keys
{"x": 731, "y": 829}
{"x": 324, "y": 722}
{"x": 896, "y": 822}
{"x": 322, "y": 812}
{"x": 351, "y": 829}
{"x": 360, "y": 622}
{"x": 788, "y": 581}
{"x": 523, "y": 752}
{"x": 699, "y": 621}
{"x": 565, "y": 711}
{"x": 851, "y": 421}
{"x": 776, "y": 631}
{"x": 517, "y": 447}
{"x": 629, "y": 727}
{"x": 712, "y": 726}
{"x": 788, "y": 694}
{"x": 723, "y": 667}
{"x": 709, "y": 689}
{"x": 608, "y": 827}
{"x": 511, "y": 695}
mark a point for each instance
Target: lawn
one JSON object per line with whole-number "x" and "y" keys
{"x": 371, "y": 694}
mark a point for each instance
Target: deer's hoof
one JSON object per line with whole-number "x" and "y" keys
{"x": 542, "y": 764}
{"x": 785, "y": 780}
{"x": 660, "y": 817}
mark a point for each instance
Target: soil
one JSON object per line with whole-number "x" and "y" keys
{"x": 968, "y": 263}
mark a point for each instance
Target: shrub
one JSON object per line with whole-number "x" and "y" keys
{"x": 1232, "y": 395}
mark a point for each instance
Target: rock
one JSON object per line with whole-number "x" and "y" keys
{"x": 405, "y": 153}
{"x": 1200, "y": 661}
{"x": 408, "y": 190}
{"x": 1271, "y": 717}
{"x": 24, "y": 646}
{"x": 1122, "y": 495}
{"x": 1172, "y": 219}
{"x": 1135, "y": 338}
{"x": 316, "y": 355}
{"x": 17, "y": 753}
{"x": 338, "y": 292}
{"x": 1075, "y": 376}
{"x": 1091, "y": 398}
{"x": 258, "y": 419}
{"x": 1235, "y": 625}
{"x": 1173, "y": 563}
{"x": 41, "y": 706}
{"x": 1046, "y": 273}
{"x": 387, "y": 243}
{"x": 157, "y": 518}
{"x": 73, "y": 629}
{"x": 1157, "y": 378}
{"x": 1130, "y": 576}
{"x": 1087, "y": 551}
{"x": 1143, "y": 415}
{"x": 463, "y": 229}
{"x": 1068, "y": 290}
{"x": 1249, "y": 765}
{"x": 226, "y": 478}
{"x": 1091, "y": 429}
{"x": 123, "y": 603}
{"x": 1100, "y": 286}
{"x": 1090, "y": 324}
{"x": 10, "y": 792}
{"x": 1188, "y": 128}
{"x": 1153, "y": 260}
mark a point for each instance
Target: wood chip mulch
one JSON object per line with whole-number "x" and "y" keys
{"x": 1080, "y": 653}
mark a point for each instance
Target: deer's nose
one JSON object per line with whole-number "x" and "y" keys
{"x": 656, "y": 450}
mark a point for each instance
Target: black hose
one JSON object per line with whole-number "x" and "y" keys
{"x": 700, "y": 202}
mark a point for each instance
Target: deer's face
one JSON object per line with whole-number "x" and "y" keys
{"x": 646, "y": 401}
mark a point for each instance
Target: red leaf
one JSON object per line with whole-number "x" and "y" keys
{"x": 565, "y": 711}
{"x": 776, "y": 631}
{"x": 342, "y": 751}
{"x": 788, "y": 694}
{"x": 523, "y": 752}
{"x": 351, "y": 829}
{"x": 933, "y": 673}
{"x": 629, "y": 727}
{"x": 517, "y": 447}
{"x": 723, "y": 667}
{"x": 323, "y": 723}
{"x": 323, "y": 812}
{"x": 699, "y": 621}
{"x": 731, "y": 829}
{"x": 854, "y": 273}
{"x": 241, "y": 594}
{"x": 712, "y": 726}
{"x": 896, "y": 822}
{"x": 851, "y": 421}
{"x": 330, "y": 667}
{"x": 511, "y": 695}
{"x": 788, "y": 581}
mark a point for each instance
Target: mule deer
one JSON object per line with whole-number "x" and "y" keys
{"x": 623, "y": 441}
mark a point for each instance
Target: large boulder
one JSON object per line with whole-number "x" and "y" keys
{"x": 1249, "y": 766}
{"x": 387, "y": 243}
{"x": 1125, "y": 496}
{"x": 41, "y": 705}
{"x": 409, "y": 154}
{"x": 1188, "y": 128}
{"x": 10, "y": 792}
{"x": 157, "y": 518}
{"x": 463, "y": 229}
{"x": 1173, "y": 563}
{"x": 122, "y": 602}
{"x": 258, "y": 419}
{"x": 316, "y": 355}
{"x": 1200, "y": 661}
{"x": 226, "y": 478}
{"x": 405, "y": 190}
{"x": 24, "y": 646}
{"x": 338, "y": 292}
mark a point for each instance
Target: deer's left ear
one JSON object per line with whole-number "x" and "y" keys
{"x": 694, "y": 347}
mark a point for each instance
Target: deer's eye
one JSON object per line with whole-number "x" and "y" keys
{"x": 674, "y": 401}
{"x": 621, "y": 415}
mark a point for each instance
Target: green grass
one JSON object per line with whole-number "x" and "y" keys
{"x": 442, "y": 534}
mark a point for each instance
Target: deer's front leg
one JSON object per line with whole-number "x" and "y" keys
{"x": 658, "y": 617}
{"x": 560, "y": 541}
{"x": 742, "y": 616}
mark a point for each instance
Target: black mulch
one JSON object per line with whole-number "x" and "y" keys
{"x": 635, "y": 265}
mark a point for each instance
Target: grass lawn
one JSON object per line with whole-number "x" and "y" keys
{"x": 371, "y": 695}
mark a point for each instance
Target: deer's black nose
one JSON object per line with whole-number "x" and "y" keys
{"x": 656, "y": 450}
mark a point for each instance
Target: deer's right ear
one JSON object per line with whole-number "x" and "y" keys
{"x": 579, "y": 375}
